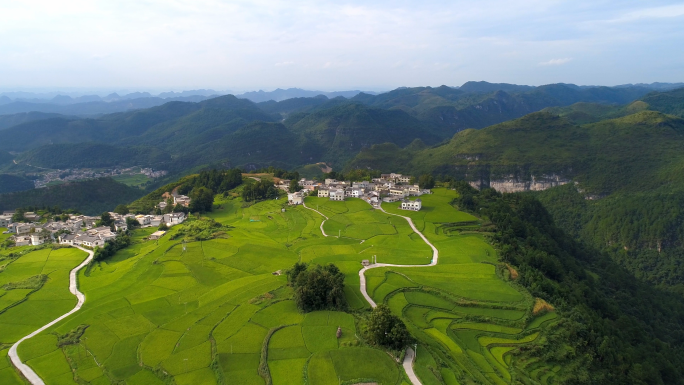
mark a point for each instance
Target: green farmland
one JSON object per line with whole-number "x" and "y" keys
{"x": 213, "y": 312}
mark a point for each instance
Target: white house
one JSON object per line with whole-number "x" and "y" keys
{"x": 336, "y": 195}
{"x": 91, "y": 241}
{"x": 22, "y": 240}
{"x": 67, "y": 239}
{"x": 295, "y": 198}
{"x": 323, "y": 192}
{"x": 5, "y": 220}
{"x": 411, "y": 205}
{"x": 120, "y": 226}
{"x": 398, "y": 191}
{"x": 173, "y": 218}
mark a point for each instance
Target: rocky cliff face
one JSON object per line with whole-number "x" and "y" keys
{"x": 511, "y": 183}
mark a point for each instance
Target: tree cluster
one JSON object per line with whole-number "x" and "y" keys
{"x": 218, "y": 181}
{"x": 259, "y": 190}
{"x": 386, "y": 329}
{"x": 317, "y": 287}
{"x": 201, "y": 200}
{"x": 111, "y": 247}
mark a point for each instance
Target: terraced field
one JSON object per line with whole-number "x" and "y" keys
{"x": 213, "y": 312}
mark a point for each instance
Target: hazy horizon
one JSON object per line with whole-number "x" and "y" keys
{"x": 324, "y": 45}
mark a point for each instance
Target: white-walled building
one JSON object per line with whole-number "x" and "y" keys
{"x": 411, "y": 205}
{"x": 336, "y": 195}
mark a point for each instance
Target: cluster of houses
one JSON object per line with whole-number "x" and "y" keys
{"x": 76, "y": 174}
{"x": 78, "y": 229}
{"x": 178, "y": 199}
{"x": 388, "y": 188}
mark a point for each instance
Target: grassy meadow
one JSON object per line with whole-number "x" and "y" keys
{"x": 213, "y": 312}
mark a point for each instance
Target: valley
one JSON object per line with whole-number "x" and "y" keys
{"x": 211, "y": 311}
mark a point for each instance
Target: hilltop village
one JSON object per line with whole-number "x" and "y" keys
{"x": 32, "y": 229}
{"x": 388, "y": 188}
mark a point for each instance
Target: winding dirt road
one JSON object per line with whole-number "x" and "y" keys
{"x": 410, "y": 354}
{"x": 73, "y": 287}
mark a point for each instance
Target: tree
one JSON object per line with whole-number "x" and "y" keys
{"x": 121, "y": 209}
{"x": 426, "y": 181}
{"x": 386, "y": 329}
{"x": 318, "y": 287}
{"x": 132, "y": 223}
{"x": 169, "y": 206}
{"x": 201, "y": 199}
{"x": 105, "y": 220}
{"x": 18, "y": 216}
{"x": 294, "y": 186}
{"x": 163, "y": 226}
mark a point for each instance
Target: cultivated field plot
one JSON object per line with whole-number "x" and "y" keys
{"x": 212, "y": 312}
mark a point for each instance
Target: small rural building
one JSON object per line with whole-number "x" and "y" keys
{"x": 5, "y": 220}
{"x": 157, "y": 234}
{"x": 336, "y": 195}
{"x": 411, "y": 205}
{"x": 37, "y": 239}
{"x": 67, "y": 239}
{"x": 120, "y": 226}
{"x": 91, "y": 241}
{"x": 365, "y": 262}
{"x": 295, "y": 198}
{"x": 398, "y": 191}
{"x": 30, "y": 215}
{"x": 22, "y": 241}
{"x": 173, "y": 218}
{"x": 323, "y": 192}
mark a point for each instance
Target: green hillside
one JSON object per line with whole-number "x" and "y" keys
{"x": 90, "y": 197}
{"x": 630, "y": 167}
{"x": 11, "y": 183}
{"x": 632, "y": 153}
{"x": 191, "y": 308}
{"x": 92, "y": 155}
{"x": 336, "y": 134}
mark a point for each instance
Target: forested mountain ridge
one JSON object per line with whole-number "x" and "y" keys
{"x": 630, "y": 153}
{"x": 624, "y": 186}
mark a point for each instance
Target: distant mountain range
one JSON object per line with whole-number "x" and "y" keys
{"x": 180, "y": 135}
{"x": 280, "y": 94}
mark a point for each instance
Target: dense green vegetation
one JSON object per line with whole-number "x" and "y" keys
{"x": 93, "y": 155}
{"x": 637, "y": 152}
{"x": 90, "y": 197}
{"x": 11, "y": 183}
{"x": 621, "y": 330}
{"x": 317, "y": 287}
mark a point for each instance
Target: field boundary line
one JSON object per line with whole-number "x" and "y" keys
{"x": 25, "y": 370}
{"x": 321, "y": 214}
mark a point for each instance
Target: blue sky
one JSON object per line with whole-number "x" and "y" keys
{"x": 334, "y": 45}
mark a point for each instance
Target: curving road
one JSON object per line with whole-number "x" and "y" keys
{"x": 410, "y": 354}
{"x": 73, "y": 287}
{"x": 321, "y": 214}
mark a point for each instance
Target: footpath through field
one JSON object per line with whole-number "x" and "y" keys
{"x": 32, "y": 377}
{"x": 409, "y": 356}
{"x": 321, "y": 214}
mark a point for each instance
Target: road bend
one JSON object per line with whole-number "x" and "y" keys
{"x": 30, "y": 375}
{"x": 409, "y": 357}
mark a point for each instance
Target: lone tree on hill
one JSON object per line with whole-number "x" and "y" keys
{"x": 386, "y": 329}
{"x": 317, "y": 287}
{"x": 294, "y": 186}
{"x": 201, "y": 200}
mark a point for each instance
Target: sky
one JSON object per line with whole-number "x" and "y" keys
{"x": 336, "y": 45}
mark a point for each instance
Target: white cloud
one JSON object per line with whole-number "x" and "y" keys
{"x": 555, "y": 62}
{"x": 326, "y": 44}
